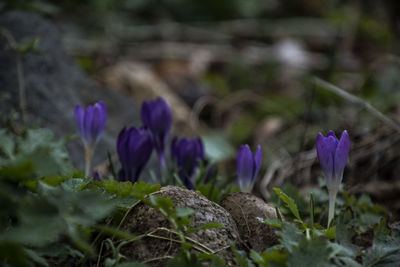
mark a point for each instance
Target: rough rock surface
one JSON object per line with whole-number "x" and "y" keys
{"x": 54, "y": 85}
{"x": 155, "y": 251}
{"x": 245, "y": 208}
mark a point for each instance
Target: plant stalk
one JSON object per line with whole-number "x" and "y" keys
{"x": 332, "y": 200}
{"x": 88, "y": 160}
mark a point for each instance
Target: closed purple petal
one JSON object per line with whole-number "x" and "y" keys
{"x": 325, "y": 150}
{"x": 87, "y": 126}
{"x": 79, "y": 117}
{"x": 134, "y": 147}
{"x": 341, "y": 155}
{"x": 331, "y": 133}
{"x": 157, "y": 117}
{"x": 245, "y": 165}
{"x": 122, "y": 147}
{"x": 97, "y": 123}
{"x": 257, "y": 161}
{"x": 200, "y": 148}
{"x": 91, "y": 122}
{"x": 186, "y": 153}
{"x": 145, "y": 114}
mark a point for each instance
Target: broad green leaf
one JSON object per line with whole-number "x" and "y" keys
{"x": 270, "y": 257}
{"x": 289, "y": 236}
{"x": 314, "y": 252}
{"x": 385, "y": 248}
{"x": 289, "y": 202}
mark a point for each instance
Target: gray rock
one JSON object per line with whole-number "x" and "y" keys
{"x": 54, "y": 85}
{"x": 155, "y": 249}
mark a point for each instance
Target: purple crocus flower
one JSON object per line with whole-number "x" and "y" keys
{"x": 91, "y": 124}
{"x": 248, "y": 166}
{"x": 134, "y": 147}
{"x": 332, "y": 155}
{"x": 157, "y": 117}
{"x": 187, "y": 153}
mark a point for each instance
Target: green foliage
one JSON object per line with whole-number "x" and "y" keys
{"x": 50, "y": 211}
{"x": 290, "y": 203}
{"x": 385, "y": 248}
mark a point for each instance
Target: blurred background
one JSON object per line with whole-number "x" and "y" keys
{"x": 234, "y": 72}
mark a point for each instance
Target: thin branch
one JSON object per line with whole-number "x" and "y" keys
{"x": 358, "y": 101}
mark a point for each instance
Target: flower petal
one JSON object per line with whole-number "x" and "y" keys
{"x": 257, "y": 162}
{"x": 341, "y": 155}
{"x": 326, "y": 147}
{"x": 245, "y": 165}
{"x": 87, "y": 125}
{"x": 79, "y": 117}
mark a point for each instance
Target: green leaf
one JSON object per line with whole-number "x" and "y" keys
{"x": 289, "y": 202}
{"x": 289, "y": 236}
{"x": 35, "y": 257}
{"x": 28, "y": 46}
{"x": 113, "y": 232}
{"x": 269, "y": 258}
{"x": 73, "y": 184}
{"x": 141, "y": 189}
{"x": 241, "y": 257}
{"x": 7, "y": 144}
{"x": 257, "y": 258}
{"x": 216, "y": 261}
{"x": 183, "y": 261}
{"x": 209, "y": 225}
{"x": 312, "y": 212}
{"x": 307, "y": 253}
{"x": 184, "y": 211}
{"x": 385, "y": 248}
{"x": 164, "y": 205}
{"x": 274, "y": 222}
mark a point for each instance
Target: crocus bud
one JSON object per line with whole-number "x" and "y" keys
{"x": 157, "y": 117}
{"x": 134, "y": 147}
{"x": 186, "y": 153}
{"x": 332, "y": 155}
{"x": 91, "y": 124}
{"x": 248, "y": 166}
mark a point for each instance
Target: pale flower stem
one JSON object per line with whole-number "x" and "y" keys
{"x": 332, "y": 200}
{"x": 88, "y": 160}
{"x": 162, "y": 166}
